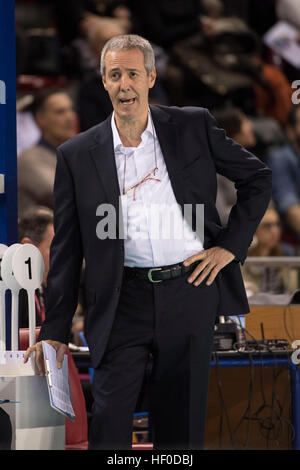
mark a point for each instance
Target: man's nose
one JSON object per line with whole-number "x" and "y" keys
{"x": 124, "y": 83}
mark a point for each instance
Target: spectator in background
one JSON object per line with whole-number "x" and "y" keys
{"x": 28, "y": 133}
{"x": 239, "y": 128}
{"x": 94, "y": 104}
{"x": 271, "y": 88}
{"x": 273, "y": 93}
{"x": 267, "y": 242}
{"x": 75, "y": 18}
{"x": 36, "y": 228}
{"x": 285, "y": 163}
{"x": 54, "y": 114}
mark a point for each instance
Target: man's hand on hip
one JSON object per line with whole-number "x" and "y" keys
{"x": 60, "y": 348}
{"x": 212, "y": 261}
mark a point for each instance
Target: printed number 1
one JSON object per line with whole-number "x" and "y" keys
{"x": 29, "y": 267}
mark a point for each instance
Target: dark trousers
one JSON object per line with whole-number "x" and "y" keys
{"x": 174, "y": 321}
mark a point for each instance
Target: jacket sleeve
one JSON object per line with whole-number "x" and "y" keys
{"x": 253, "y": 182}
{"x": 66, "y": 256}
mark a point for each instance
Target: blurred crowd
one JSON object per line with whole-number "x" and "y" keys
{"x": 209, "y": 53}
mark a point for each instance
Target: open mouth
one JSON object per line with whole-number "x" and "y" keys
{"x": 127, "y": 101}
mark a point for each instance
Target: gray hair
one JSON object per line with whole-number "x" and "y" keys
{"x": 126, "y": 42}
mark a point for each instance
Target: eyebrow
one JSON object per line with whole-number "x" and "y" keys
{"x": 116, "y": 69}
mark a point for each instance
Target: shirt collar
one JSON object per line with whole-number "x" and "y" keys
{"x": 147, "y": 132}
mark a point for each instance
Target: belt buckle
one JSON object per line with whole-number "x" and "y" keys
{"x": 150, "y": 274}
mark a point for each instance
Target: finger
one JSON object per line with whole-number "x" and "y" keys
{"x": 200, "y": 267}
{"x": 212, "y": 276}
{"x": 39, "y": 360}
{"x": 194, "y": 258}
{"x": 204, "y": 274}
{"x": 60, "y": 356}
{"x": 40, "y": 364}
{"x": 28, "y": 352}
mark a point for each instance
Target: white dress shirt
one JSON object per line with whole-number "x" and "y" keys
{"x": 156, "y": 233}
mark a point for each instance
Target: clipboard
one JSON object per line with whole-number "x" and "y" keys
{"x": 58, "y": 382}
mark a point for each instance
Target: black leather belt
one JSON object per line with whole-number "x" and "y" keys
{"x": 159, "y": 274}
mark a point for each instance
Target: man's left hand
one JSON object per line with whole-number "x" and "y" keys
{"x": 212, "y": 261}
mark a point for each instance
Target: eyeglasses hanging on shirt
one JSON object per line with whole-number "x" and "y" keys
{"x": 149, "y": 176}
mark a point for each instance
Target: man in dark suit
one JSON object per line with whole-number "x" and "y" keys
{"x": 148, "y": 295}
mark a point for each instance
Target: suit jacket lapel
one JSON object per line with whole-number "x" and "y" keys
{"x": 102, "y": 152}
{"x": 168, "y": 135}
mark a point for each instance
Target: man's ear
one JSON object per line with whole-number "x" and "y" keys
{"x": 152, "y": 78}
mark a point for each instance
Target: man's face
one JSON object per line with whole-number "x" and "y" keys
{"x": 127, "y": 83}
{"x": 57, "y": 120}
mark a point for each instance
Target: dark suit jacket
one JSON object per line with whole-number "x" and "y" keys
{"x": 194, "y": 149}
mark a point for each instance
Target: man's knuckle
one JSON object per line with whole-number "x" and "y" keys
{"x": 197, "y": 271}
